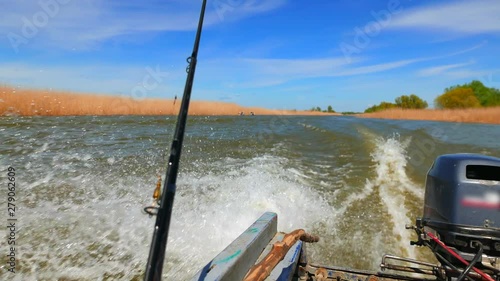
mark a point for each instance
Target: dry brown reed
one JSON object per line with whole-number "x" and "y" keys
{"x": 29, "y": 102}
{"x": 489, "y": 115}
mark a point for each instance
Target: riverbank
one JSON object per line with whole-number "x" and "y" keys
{"x": 28, "y": 102}
{"x": 489, "y": 115}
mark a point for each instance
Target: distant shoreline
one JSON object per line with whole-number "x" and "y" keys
{"x": 485, "y": 115}
{"x": 28, "y": 102}
{"x": 34, "y": 102}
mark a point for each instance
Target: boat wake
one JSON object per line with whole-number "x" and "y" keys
{"x": 394, "y": 187}
{"x": 81, "y": 204}
{"x": 369, "y": 219}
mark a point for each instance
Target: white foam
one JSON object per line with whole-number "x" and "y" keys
{"x": 86, "y": 227}
{"x": 212, "y": 210}
{"x": 394, "y": 185}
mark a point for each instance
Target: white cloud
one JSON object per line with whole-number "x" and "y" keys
{"x": 237, "y": 9}
{"x": 441, "y": 69}
{"x": 262, "y": 73}
{"x": 478, "y": 46}
{"x": 104, "y": 79}
{"x": 297, "y": 67}
{"x": 376, "y": 67}
{"x": 470, "y": 17}
{"x": 328, "y": 67}
{"x": 460, "y": 71}
{"x": 87, "y": 23}
{"x": 269, "y": 72}
{"x": 481, "y": 75}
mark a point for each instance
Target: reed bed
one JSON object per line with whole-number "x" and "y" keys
{"x": 488, "y": 115}
{"x": 29, "y": 102}
{"x": 34, "y": 102}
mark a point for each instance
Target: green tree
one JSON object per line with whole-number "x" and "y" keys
{"x": 382, "y": 106}
{"x": 486, "y": 96}
{"x": 330, "y": 109}
{"x": 457, "y": 98}
{"x": 411, "y": 101}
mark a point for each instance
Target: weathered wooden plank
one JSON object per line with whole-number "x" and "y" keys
{"x": 236, "y": 259}
{"x": 285, "y": 269}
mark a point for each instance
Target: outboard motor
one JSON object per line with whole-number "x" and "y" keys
{"x": 462, "y": 210}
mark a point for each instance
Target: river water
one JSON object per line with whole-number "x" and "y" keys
{"x": 82, "y": 182}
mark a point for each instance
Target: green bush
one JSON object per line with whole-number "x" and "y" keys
{"x": 458, "y": 98}
{"x": 411, "y": 102}
{"x": 486, "y": 96}
{"x": 404, "y": 101}
{"x": 382, "y": 106}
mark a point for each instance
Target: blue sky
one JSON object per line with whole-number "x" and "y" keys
{"x": 279, "y": 54}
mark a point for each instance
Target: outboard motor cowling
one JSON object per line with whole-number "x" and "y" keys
{"x": 462, "y": 203}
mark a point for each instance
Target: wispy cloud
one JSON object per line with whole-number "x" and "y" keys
{"x": 241, "y": 9}
{"x": 297, "y": 67}
{"x": 103, "y": 79}
{"x": 478, "y": 46}
{"x": 261, "y": 73}
{"x": 256, "y": 73}
{"x": 481, "y": 75}
{"x": 469, "y": 17}
{"x": 442, "y": 69}
{"x": 376, "y": 67}
{"x": 87, "y": 23}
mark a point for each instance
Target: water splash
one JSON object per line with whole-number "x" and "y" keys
{"x": 212, "y": 210}
{"x": 394, "y": 185}
{"x": 91, "y": 228}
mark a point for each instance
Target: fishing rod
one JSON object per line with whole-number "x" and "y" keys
{"x": 156, "y": 257}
